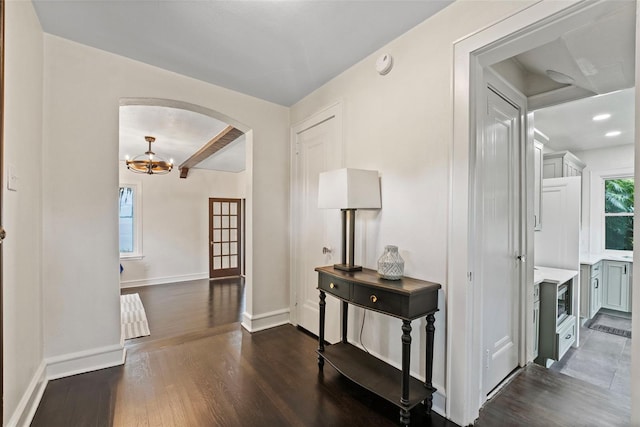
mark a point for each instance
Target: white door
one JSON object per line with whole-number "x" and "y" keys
{"x": 499, "y": 175}
{"x": 318, "y": 149}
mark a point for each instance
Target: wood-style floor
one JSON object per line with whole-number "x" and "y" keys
{"x": 200, "y": 368}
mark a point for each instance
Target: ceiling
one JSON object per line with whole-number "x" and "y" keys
{"x": 570, "y": 126}
{"x": 279, "y": 51}
{"x": 179, "y": 134}
{"x": 599, "y": 58}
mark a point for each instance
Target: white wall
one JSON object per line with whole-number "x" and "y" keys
{"x": 82, "y": 90}
{"x": 401, "y": 125}
{"x": 22, "y": 249}
{"x": 175, "y": 223}
{"x": 602, "y": 160}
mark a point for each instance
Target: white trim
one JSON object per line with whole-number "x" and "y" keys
{"x": 260, "y": 322}
{"x": 335, "y": 111}
{"x": 85, "y": 361}
{"x": 26, "y": 409}
{"x": 162, "y": 280}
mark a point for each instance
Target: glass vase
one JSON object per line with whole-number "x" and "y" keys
{"x": 391, "y": 264}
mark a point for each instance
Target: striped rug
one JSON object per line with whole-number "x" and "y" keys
{"x": 133, "y": 317}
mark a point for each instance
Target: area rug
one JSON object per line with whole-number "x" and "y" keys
{"x": 611, "y": 325}
{"x": 133, "y": 317}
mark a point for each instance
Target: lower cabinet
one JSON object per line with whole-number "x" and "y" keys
{"x": 616, "y": 292}
{"x": 536, "y": 319}
{"x": 557, "y": 323}
{"x": 590, "y": 289}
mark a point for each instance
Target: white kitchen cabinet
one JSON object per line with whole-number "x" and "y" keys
{"x": 537, "y": 183}
{"x": 561, "y": 164}
{"x": 616, "y": 292}
{"x": 590, "y": 289}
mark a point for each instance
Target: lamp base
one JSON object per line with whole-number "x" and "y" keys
{"x": 347, "y": 267}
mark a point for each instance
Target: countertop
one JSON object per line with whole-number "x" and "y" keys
{"x": 554, "y": 275}
{"x": 590, "y": 259}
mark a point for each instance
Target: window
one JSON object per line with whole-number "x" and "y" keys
{"x": 130, "y": 221}
{"x": 618, "y": 214}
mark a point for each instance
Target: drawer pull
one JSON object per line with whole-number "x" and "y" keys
{"x": 332, "y": 285}
{"x": 374, "y": 298}
{"x": 567, "y": 337}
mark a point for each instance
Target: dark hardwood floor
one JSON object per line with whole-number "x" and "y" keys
{"x": 199, "y": 367}
{"x": 537, "y": 396}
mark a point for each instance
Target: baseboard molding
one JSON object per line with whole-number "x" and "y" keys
{"x": 162, "y": 280}
{"x": 26, "y": 409}
{"x": 85, "y": 361}
{"x": 260, "y": 322}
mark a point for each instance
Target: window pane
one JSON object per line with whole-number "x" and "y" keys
{"x": 618, "y": 195}
{"x": 126, "y": 235}
{"x": 126, "y": 219}
{"x": 619, "y": 233}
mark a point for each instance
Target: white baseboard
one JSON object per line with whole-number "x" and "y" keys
{"x": 162, "y": 280}
{"x": 26, "y": 409}
{"x": 85, "y": 361}
{"x": 260, "y": 322}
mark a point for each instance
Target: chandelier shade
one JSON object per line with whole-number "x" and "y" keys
{"x": 148, "y": 162}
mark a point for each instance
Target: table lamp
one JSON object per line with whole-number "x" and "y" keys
{"x": 349, "y": 189}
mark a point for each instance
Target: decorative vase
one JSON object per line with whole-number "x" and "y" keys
{"x": 391, "y": 264}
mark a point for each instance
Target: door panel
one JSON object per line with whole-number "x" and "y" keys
{"x": 317, "y": 151}
{"x": 499, "y": 181}
{"x": 225, "y": 237}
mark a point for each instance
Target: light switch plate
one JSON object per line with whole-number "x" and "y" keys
{"x": 12, "y": 178}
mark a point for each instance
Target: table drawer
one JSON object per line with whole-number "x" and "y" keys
{"x": 566, "y": 336}
{"x": 334, "y": 286}
{"x": 387, "y": 302}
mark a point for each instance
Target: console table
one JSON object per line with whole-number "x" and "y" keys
{"x": 406, "y": 299}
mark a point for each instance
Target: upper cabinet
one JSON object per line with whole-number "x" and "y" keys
{"x": 538, "y": 150}
{"x": 561, "y": 164}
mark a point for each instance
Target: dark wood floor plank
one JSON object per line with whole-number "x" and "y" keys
{"x": 541, "y": 397}
{"x": 200, "y": 368}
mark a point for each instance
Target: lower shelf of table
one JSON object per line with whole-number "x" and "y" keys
{"x": 373, "y": 374}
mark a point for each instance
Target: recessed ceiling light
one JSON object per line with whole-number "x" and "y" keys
{"x": 613, "y": 133}
{"x": 601, "y": 117}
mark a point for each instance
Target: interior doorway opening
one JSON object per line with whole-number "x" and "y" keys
{"x": 528, "y": 30}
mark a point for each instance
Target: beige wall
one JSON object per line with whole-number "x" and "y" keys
{"x": 22, "y": 259}
{"x": 82, "y": 90}
{"x": 401, "y": 125}
{"x": 175, "y": 223}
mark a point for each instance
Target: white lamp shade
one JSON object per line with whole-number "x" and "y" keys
{"x": 349, "y": 189}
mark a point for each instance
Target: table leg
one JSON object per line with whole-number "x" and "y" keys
{"x": 345, "y": 316}
{"x": 406, "y": 362}
{"x": 429, "y": 365}
{"x": 321, "y": 330}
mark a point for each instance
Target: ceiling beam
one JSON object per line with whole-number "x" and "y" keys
{"x": 217, "y": 143}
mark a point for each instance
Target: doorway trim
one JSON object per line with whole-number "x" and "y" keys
{"x": 536, "y": 25}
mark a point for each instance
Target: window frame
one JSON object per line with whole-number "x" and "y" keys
{"x": 606, "y": 178}
{"x": 137, "y": 221}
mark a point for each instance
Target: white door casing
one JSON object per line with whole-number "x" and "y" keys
{"x": 317, "y": 147}
{"x": 498, "y": 178}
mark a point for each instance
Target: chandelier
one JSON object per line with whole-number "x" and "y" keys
{"x": 148, "y": 162}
